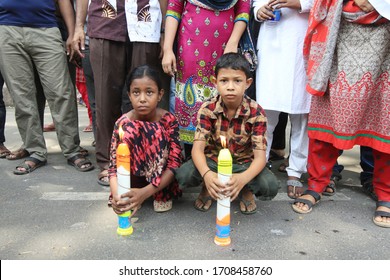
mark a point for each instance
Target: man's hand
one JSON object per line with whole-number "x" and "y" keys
{"x": 78, "y": 43}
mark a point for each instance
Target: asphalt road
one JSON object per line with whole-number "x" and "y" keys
{"x": 58, "y": 213}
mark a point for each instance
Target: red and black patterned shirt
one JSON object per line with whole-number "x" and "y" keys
{"x": 244, "y": 133}
{"x": 154, "y": 146}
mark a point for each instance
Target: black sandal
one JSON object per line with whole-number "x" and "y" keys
{"x": 332, "y": 184}
{"x": 29, "y": 168}
{"x": 82, "y": 161}
{"x": 315, "y": 195}
{"x": 380, "y": 213}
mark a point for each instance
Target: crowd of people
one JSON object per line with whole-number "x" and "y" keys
{"x": 167, "y": 78}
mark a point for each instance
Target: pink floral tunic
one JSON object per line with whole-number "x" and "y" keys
{"x": 202, "y": 37}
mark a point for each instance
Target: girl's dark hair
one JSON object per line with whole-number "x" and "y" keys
{"x": 233, "y": 61}
{"x": 142, "y": 71}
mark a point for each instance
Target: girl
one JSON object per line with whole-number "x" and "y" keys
{"x": 152, "y": 135}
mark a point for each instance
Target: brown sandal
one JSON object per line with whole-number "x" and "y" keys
{"x": 18, "y": 154}
{"x": 4, "y": 151}
{"x": 103, "y": 178}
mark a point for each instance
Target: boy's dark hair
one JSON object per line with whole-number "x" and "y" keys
{"x": 233, "y": 61}
{"x": 142, "y": 71}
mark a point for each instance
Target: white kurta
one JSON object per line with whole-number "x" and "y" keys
{"x": 281, "y": 76}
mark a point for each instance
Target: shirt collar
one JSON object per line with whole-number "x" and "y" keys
{"x": 242, "y": 111}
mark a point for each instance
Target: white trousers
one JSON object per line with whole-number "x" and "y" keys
{"x": 299, "y": 141}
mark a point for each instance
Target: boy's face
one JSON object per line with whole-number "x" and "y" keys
{"x": 231, "y": 85}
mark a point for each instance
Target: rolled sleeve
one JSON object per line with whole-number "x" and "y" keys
{"x": 306, "y": 6}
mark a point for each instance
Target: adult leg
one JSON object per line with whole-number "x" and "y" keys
{"x": 19, "y": 77}
{"x": 366, "y": 176}
{"x": 322, "y": 157}
{"x": 381, "y": 184}
{"x": 334, "y": 178}
{"x": 279, "y": 140}
{"x": 3, "y": 150}
{"x": 298, "y": 154}
{"x": 272, "y": 121}
{"x": 2, "y": 111}
{"x": 51, "y": 62}
{"x": 108, "y": 61}
{"x": 90, "y": 86}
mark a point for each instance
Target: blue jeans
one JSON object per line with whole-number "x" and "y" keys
{"x": 366, "y": 163}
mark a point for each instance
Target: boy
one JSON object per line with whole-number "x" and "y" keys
{"x": 242, "y": 121}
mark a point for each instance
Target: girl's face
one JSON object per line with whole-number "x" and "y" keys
{"x": 144, "y": 96}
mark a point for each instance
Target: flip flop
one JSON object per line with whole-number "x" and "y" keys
{"x": 103, "y": 174}
{"x": 29, "y": 168}
{"x": 204, "y": 201}
{"x": 88, "y": 128}
{"x": 332, "y": 184}
{"x": 81, "y": 161}
{"x": 316, "y": 197}
{"x": 18, "y": 154}
{"x": 381, "y": 214}
{"x": 4, "y": 152}
{"x": 294, "y": 184}
{"x": 247, "y": 203}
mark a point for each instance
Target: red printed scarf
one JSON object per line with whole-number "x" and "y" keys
{"x": 321, "y": 38}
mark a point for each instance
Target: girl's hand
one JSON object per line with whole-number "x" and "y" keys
{"x": 265, "y": 13}
{"x": 119, "y": 205}
{"x": 169, "y": 63}
{"x": 135, "y": 198}
{"x": 213, "y": 185}
{"x": 364, "y": 5}
{"x": 292, "y": 4}
{"x": 234, "y": 186}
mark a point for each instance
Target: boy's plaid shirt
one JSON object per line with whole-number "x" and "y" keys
{"x": 244, "y": 132}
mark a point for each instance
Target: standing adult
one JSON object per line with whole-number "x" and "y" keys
{"x": 348, "y": 50}
{"x": 29, "y": 36}
{"x": 205, "y": 30}
{"x": 281, "y": 88}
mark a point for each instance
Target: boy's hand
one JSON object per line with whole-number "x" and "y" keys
{"x": 234, "y": 186}
{"x": 213, "y": 185}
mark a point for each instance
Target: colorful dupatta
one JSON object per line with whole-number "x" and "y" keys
{"x": 218, "y": 5}
{"x": 321, "y": 38}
